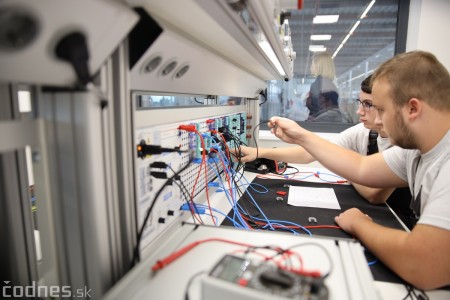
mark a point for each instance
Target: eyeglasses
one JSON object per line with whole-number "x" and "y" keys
{"x": 364, "y": 103}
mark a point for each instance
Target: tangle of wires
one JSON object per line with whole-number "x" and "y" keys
{"x": 175, "y": 176}
{"x": 229, "y": 174}
{"x": 233, "y": 173}
{"x": 242, "y": 216}
{"x": 246, "y": 213}
{"x": 226, "y": 135}
{"x": 195, "y": 212}
{"x": 234, "y": 193}
{"x": 323, "y": 177}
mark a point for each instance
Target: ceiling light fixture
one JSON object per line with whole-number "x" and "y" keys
{"x": 367, "y": 9}
{"x": 325, "y": 19}
{"x": 265, "y": 46}
{"x": 363, "y": 15}
{"x": 354, "y": 27}
{"x": 317, "y": 48}
{"x": 320, "y": 37}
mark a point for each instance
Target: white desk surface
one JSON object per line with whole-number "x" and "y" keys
{"x": 345, "y": 281}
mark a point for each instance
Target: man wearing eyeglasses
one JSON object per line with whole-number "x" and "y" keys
{"x": 366, "y": 138}
{"x": 411, "y": 94}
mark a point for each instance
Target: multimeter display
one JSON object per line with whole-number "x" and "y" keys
{"x": 268, "y": 278}
{"x": 230, "y": 268}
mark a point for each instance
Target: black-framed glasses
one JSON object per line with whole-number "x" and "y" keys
{"x": 366, "y": 105}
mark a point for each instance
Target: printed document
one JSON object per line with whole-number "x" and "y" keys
{"x": 313, "y": 197}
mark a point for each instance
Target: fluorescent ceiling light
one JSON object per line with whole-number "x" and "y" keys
{"x": 265, "y": 46}
{"x": 345, "y": 39}
{"x": 320, "y": 37}
{"x": 337, "y": 51}
{"x": 325, "y": 19}
{"x": 354, "y": 27}
{"x": 367, "y": 9}
{"x": 317, "y": 48}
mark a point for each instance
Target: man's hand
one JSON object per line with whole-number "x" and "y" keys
{"x": 247, "y": 154}
{"x": 351, "y": 218}
{"x": 287, "y": 130}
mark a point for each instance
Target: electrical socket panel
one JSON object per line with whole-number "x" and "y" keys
{"x": 194, "y": 180}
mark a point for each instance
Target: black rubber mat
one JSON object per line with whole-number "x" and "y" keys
{"x": 347, "y": 198}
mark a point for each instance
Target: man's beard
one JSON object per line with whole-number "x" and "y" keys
{"x": 404, "y": 137}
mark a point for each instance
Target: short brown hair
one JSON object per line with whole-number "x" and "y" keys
{"x": 366, "y": 85}
{"x": 416, "y": 74}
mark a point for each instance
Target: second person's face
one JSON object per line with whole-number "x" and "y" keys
{"x": 369, "y": 116}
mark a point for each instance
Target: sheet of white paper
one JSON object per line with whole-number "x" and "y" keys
{"x": 313, "y": 197}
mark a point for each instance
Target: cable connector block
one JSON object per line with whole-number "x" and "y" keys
{"x": 185, "y": 207}
{"x": 189, "y": 207}
{"x": 158, "y": 164}
{"x": 144, "y": 150}
{"x": 189, "y": 128}
{"x": 160, "y": 175}
{"x": 213, "y": 184}
{"x": 197, "y": 161}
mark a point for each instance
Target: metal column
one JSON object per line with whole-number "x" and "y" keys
{"x": 18, "y": 257}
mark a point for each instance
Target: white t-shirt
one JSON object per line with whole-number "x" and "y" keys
{"x": 356, "y": 138}
{"x": 428, "y": 178}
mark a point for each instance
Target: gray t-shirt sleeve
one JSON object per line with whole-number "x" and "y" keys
{"x": 395, "y": 158}
{"x": 354, "y": 139}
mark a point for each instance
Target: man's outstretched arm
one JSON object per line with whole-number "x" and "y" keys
{"x": 296, "y": 155}
{"x": 366, "y": 170}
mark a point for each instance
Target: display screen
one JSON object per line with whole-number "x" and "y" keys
{"x": 230, "y": 268}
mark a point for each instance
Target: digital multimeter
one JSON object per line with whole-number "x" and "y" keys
{"x": 241, "y": 278}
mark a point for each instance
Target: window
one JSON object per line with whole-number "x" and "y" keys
{"x": 146, "y": 101}
{"x": 365, "y": 34}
